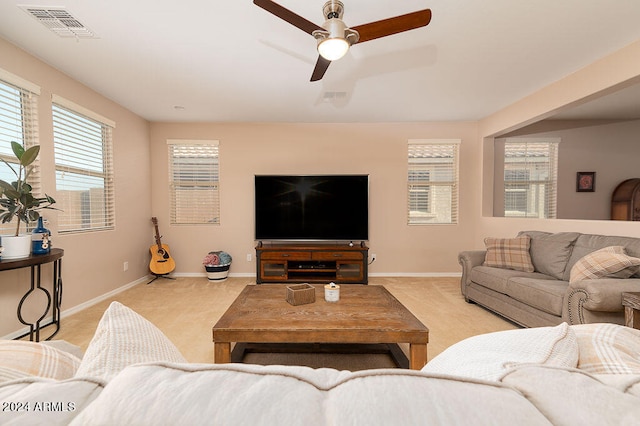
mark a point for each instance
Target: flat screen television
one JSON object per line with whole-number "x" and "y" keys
{"x": 312, "y": 207}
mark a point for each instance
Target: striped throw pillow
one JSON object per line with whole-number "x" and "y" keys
{"x": 608, "y": 348}
{"x": 509, "y": 253}
{"x": 604, "y": 263}
{"x": 22, "y": 359}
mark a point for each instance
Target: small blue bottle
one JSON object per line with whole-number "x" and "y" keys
{"x": 40, "y": 239}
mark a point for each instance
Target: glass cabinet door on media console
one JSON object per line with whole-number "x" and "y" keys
{"x": 347, "y": 271}
{"x": 272, "y": 270}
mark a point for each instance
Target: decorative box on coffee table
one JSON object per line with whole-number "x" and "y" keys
{"x": 301, "y": 294}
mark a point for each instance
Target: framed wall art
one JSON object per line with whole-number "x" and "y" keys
{"x": 586, "y": 182}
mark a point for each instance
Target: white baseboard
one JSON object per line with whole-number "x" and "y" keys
{"x": 112, "y": 293}
{"x": 78, "y": 308}
{"x": 417, "y": 274}
{"x": 204, "y": 274}
{"x": 376, "y": 274}
{"x": 103, "y": 297}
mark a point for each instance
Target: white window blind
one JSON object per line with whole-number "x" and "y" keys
{"x": 18, "y": 123}
{"x": 194, "y": 182}
{"x": 84, "y": 171}
{"x": 530, "y": 177}
{"x": 433, "y": 182}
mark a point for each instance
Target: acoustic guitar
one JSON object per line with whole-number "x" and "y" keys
{"x": 161, "y": 261}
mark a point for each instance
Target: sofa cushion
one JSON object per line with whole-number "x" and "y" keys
{"x": 546, "y": 295}
{"x": 550, "y": 252}
{"x": 497, "y": 279}
{"x": 243, "y": 394}
{"x": 627, "y": 383}
{"x": 490, "y": 356}
{"x": 509, "y": 253}
{"x": 20, "y": 359}
{"x": 123, "y": 338}
{"x": 40, "y": 401}
{"x": 608, "y": 348}
{"x": 606, "y": 262}
{"x": 587, "y": 243}
{"x": 574, "y": 397}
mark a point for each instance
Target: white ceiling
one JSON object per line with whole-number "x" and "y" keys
{"x": 215, "y": 60}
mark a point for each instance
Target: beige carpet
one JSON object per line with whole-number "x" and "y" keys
{"x": 186, "y": 309}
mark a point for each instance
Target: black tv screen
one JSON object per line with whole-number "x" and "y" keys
{"x": 313, "y": 208}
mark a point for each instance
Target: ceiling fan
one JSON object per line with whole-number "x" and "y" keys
{"x": 334, "y": 37}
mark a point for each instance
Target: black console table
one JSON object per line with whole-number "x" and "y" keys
{"x": 53, "y": 304}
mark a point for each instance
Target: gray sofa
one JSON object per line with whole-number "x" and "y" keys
{"x": 545, "y": 297}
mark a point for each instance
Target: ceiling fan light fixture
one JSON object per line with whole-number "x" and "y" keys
{"x": 334, "y": 37}
{"x": 333, "y": 48}
{"x": 335, "y": 40}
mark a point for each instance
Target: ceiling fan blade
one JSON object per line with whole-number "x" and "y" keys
{"x": 393, "y": 25}
{"x": 287, "y": 15}
{"x": 320, "y": 69}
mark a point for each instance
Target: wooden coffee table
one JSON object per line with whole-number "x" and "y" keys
{"x": 365, "y": 314}
{"x": 631, "y": 303}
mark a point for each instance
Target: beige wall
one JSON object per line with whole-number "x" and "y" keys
{"x": 379, "y": 150}
{"x": 93, "y": 262}
{"x": 618, "y": 70}
{"x": 610, "y": 149}
{"x": 621, "y": 69}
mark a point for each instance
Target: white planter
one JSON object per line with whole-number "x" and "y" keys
{"x": 16, "y": 247}
{"x": 217, "y": 273}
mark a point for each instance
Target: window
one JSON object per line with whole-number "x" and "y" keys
{"x": 82, "y": 143}
{"x": 194, "y": 174}
{"x": 530, "y": 177}
{"x": 433, "y": 182}
{"x": 19, "y": 123}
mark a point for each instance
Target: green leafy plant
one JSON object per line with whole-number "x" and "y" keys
{"x": 16, "y": 199}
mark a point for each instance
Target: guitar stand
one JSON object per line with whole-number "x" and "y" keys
{"x": 165, "y": 276}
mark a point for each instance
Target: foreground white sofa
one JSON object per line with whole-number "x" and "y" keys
{"x": 131, "y": 375}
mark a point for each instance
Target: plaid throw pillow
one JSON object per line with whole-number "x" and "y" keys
{"x": 608, "y": 348}
{"x": 509, "y": 253}
{"x": 605, "y": 262}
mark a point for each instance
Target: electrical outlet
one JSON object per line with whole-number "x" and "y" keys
{"x": 248, "y": 257}
{"x": 373, "y": 257}
{"x": 125, "y": 266}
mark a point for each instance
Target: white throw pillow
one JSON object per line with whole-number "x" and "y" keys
{"x": 490, "y": 356}
{"x": 123, "y": 338}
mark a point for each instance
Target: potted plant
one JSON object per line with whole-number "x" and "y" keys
{"x": 17, "y": 201}
{"x": 217, "y": 264}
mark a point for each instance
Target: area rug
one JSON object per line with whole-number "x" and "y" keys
{"x": 338, "y": 356}
{"x": 351, "y": 362}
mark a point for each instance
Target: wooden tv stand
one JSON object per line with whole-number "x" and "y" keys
{"x": 318, "y": 263}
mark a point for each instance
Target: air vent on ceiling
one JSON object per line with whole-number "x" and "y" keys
{"x": 60, "y": 21}
{"x": 329, "y": 96}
